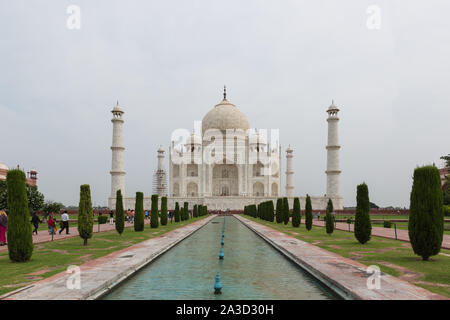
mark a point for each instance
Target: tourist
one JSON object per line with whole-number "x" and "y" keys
{"x": 132, "y": 216}
{"x": 65, "y": 222}
{"x": 318, "y": 216}
{"x": 50, "y": 224}
{"x": 3, "y": 227}
{"x": 111, "y": 217}
{"x": 146, "y": 214}
{"x": 35, "y": 221}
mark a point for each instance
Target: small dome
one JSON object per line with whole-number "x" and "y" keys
{"x": 3, "y": 166}
{"x": 224, "y": 116}
{"x": 193, "y": 139}
{"x": 117, "y": 108}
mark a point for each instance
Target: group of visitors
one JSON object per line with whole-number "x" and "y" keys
{"x": 52, "y": 223}
{"x": 130, "y": 216}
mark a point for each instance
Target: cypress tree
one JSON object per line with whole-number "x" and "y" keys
{"x": 164, "y": 211}
{"x": 154, "y": 213}
{"x": 85, "y": 214}
{"x": 285, "y": 210}
{"x": 426, "y": 218}
{"x": 120, "y": 216}
{"x": 20, "y": 238}
{"x": 195, "y": 212}
{"x": 329, "y": 221}
{"x": 271, "y": 211}
{"x": 308, "y": 213}
{"x": 279, "y": 210}
{"x": 363, "y": 226}
{"x": 139, "y": 212}
{"x": 186, "y": 211}
{"x": 296, "y": 213}
{"x": 177, "y": 212}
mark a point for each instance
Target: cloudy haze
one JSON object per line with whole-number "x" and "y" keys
{"x": 282, "y": 61}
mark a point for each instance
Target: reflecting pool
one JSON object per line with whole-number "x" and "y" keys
{"x": 251, "y": 269}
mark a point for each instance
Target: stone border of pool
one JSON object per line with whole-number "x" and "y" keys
{"x": 346, "y": 277}
{"x": 100, "y": 275}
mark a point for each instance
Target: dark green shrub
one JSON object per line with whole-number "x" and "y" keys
{"x": 164, "y": 211}
{"x": 329, "y": 219}
{"x": 271, "y": 211}
{"x": 154, "y": 222}
{"x": 279, "y": 210}
{"x": 308, "y": 213}
{"x": 139, "y": 212}
{"x": 186, "y": 211}
{"x": 85, "y": 214}
{"x": 285, "y": 210}
{"x": 195, "y": 211}
{"x": 296, "y": 217}
{"x": 19, "y": 236}
{"x": 101, "y": 219}
{"x": 363, "y": 226}
{"x": 177, "y": 212}
{"x": 120, "y": 216}
{"x": 387, "y": 224}
{"x": 426, "y": 218}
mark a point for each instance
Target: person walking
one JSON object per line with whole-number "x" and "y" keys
{"x": 111, "y": 217}
{"x": 35, "y": 221}
{"x": 3, "y": 227}
{"x": 65, "y": 222}
{"x": 50, "y": 224}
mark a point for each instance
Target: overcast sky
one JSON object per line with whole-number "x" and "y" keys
{"x": 282, "y": 61}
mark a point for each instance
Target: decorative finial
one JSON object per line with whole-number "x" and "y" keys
{"x": 224, "y": 93}
{"x": 117, "y": 103}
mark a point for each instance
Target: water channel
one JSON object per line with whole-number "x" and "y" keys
{"x": 251, "y": 269}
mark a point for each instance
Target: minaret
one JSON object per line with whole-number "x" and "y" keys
{"x": 117, "y": 169}
{"x": 161, "y": 187}
{"x": 333, "y": 172}
{"x": 289, "y": 173}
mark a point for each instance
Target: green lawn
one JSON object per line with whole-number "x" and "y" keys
{"x": 50, "y": 258}
{"x": 393, "y": 257}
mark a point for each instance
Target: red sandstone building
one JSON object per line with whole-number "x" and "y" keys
{"x": 31, "y": 175}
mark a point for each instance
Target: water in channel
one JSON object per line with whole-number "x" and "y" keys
{"x": 251, "y": 269}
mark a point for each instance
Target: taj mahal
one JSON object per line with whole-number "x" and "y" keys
{"x": 226, "y": 164}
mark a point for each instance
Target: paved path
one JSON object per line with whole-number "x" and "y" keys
{"x": 384, "y": 232}
{"x": 346, "y": 276}
{"x": 99, "y": 275}
{"x": 43, "y": 235}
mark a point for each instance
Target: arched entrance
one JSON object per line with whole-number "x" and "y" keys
{"x": 225, "y": 180}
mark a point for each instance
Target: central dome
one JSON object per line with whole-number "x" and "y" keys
{"x": 224, "y": 116}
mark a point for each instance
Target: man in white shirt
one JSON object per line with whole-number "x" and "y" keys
{"x": 65, "y": 222}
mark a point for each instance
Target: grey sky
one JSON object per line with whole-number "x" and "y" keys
{"x": 282, "y": 62}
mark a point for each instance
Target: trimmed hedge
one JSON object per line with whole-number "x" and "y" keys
{"x": 20, "y": 238}
{"x": 308, "y": 213}
{"x": 177, "y": 212}
{"x": 296, "y": 216}
{"x": 139, "y": 212}
{"x": 164, "y": 211}
{"x": 154, "y": 222}
{"x": 329, "y": 219}
{"x": 285, "y": 210}
{"x": 120, "y": 216}
{"x": 426, "y": 218}
{"x": 363, "y": 226}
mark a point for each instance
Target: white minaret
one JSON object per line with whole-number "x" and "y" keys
{"x": 161, "y": 174}
{"x": 289, "y": 173}
{"x": 117, "y": 168}
{"x": 333, "y": 172}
